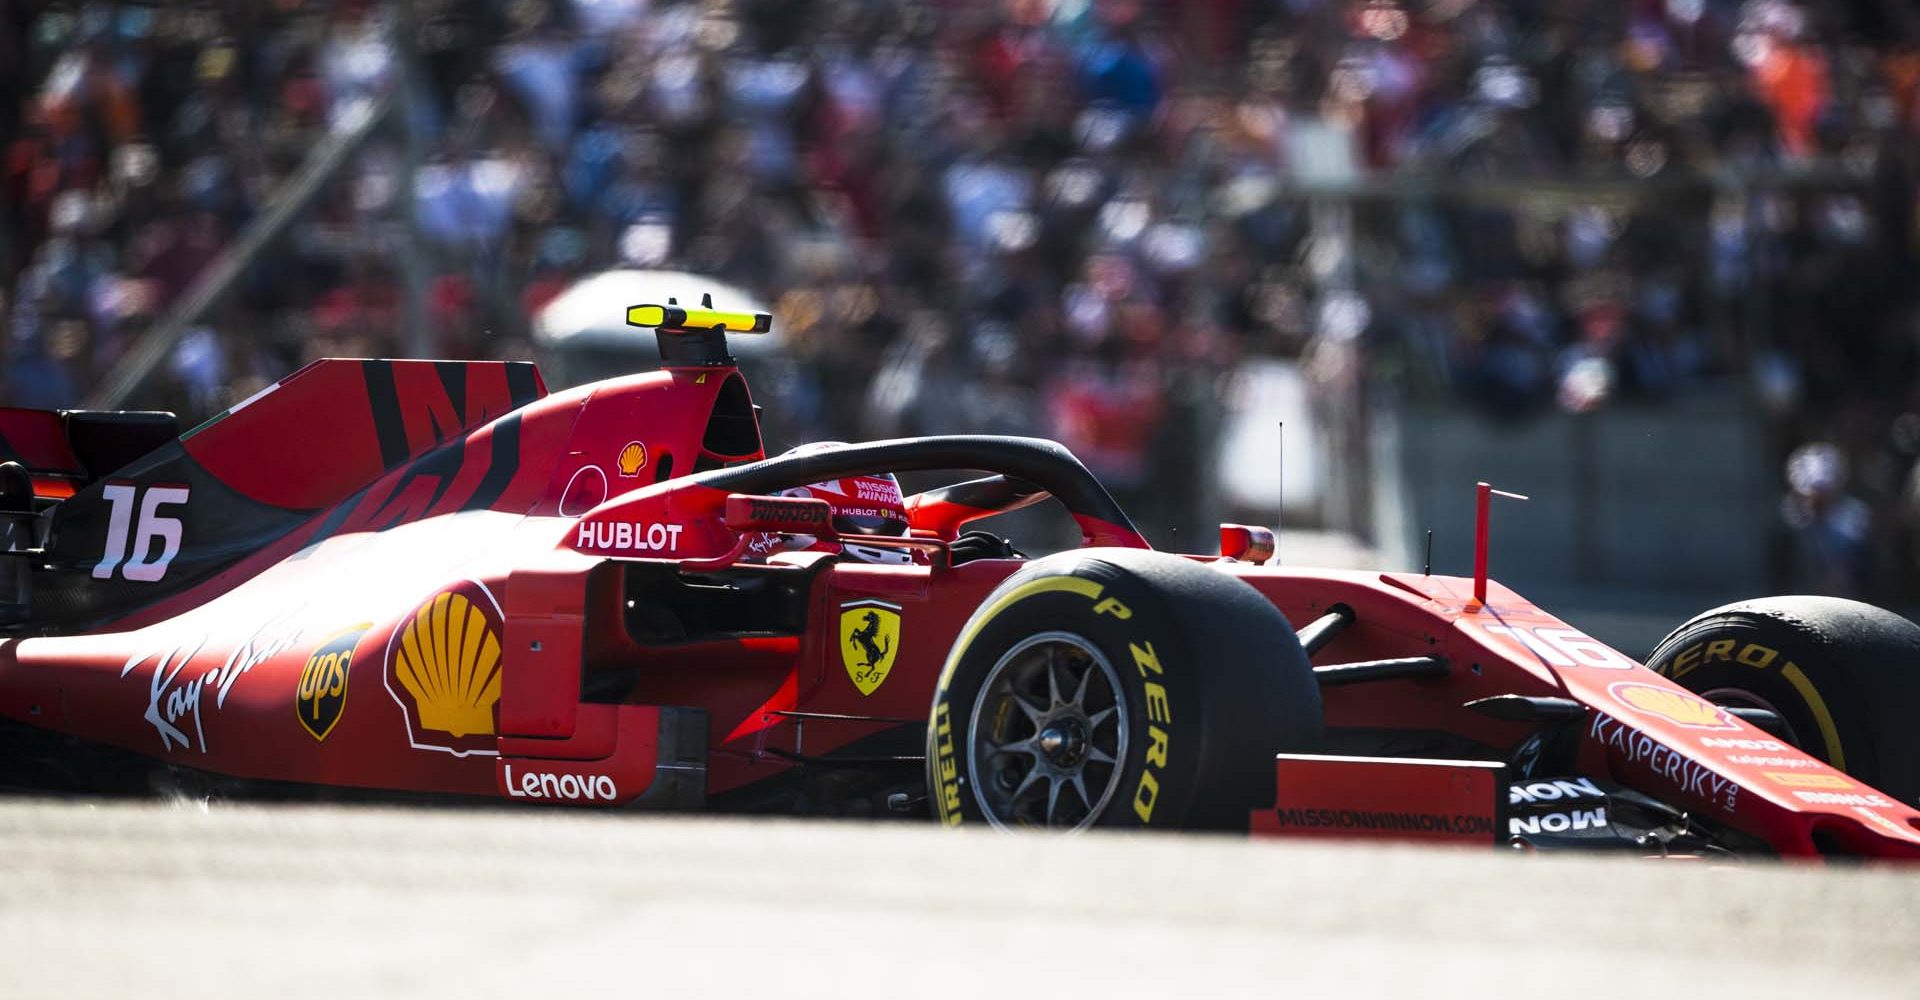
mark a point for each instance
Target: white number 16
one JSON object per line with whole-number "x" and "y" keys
{"x": 146, "y": 565}
{"x": 1564, "y": 647}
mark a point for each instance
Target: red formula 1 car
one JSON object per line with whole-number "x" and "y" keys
{"x": 437, "y": 580}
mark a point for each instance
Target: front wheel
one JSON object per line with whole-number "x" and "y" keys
{"x": 1120, "y": 688}
{"x": 1843, "y": 676}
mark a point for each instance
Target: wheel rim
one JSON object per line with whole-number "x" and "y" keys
{"x": 1047, "y": 735}
{"x": 1728, "y": 697}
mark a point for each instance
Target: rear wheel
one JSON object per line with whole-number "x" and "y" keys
{"x": 1843, "y": 676}
{"x": 1118, "y": 688}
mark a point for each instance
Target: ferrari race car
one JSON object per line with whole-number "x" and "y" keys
{"x": 437, "y": 581}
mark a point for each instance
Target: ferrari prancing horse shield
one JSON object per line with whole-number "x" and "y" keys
{"x": 869, "y": 639}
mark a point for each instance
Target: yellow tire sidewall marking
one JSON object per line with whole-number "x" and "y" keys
{"x": 1789, "y": 672}
{"x": 1829, "y": 733}
{"x": 1052, "y": 584}
{"x": 946, "y": 800}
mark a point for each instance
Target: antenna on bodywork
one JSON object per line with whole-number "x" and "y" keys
{"x": 1483, "y": 503}
{"x": 1280, "y": 490}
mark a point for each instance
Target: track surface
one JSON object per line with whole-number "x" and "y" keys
{"x": 156, "y": 900}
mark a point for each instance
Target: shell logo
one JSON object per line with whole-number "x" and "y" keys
{"x": 632, "y": 458}
{"x": 444, "y": 671}
{"x": 1677, "y": 707}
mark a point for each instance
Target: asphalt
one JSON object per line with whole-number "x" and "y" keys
{"x": 161, "y": 900}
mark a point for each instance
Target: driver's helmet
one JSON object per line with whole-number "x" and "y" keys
{"x": 862, "y": 505}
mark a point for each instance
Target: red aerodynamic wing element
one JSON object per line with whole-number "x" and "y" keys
{"x": 37, "y": 439}
{"x": 240, "y": 482}
{"x": 317, "y": 436}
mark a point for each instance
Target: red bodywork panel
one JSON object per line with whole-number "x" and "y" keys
{"x": 454, "y": 585}
{"x": 241, "y": 674}
{"x": 1383, "y": 798}
{"x": 317, "y": 436}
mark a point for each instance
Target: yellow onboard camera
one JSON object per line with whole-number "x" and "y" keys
{"x": 674, "y": 316}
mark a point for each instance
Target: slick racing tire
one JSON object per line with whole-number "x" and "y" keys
{"x": 1844, "y": 676}
{"x": 1118, "y": 688}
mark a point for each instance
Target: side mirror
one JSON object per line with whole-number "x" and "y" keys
{"x": 783, "y": 515}
{"x": 748, "y": 514}
{"x": 1246, "y": 543}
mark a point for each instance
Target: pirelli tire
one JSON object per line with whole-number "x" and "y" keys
{"x": 1844, "y": 676}
{"x": 1185, "y": 679}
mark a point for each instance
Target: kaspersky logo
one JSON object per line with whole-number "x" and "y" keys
{"x": 1678, "y": 707}
{"x": 443, "y": 669}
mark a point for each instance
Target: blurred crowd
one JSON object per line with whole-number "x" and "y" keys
{"x": 1066, "y": 217}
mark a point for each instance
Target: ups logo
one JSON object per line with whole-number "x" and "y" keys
{"x": 323, "y": 682}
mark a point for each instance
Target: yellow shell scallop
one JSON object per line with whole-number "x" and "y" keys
{"x": 1682, "y": 708}
{"x": 450, "y": 662}
{"x": 632, "y": 458}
